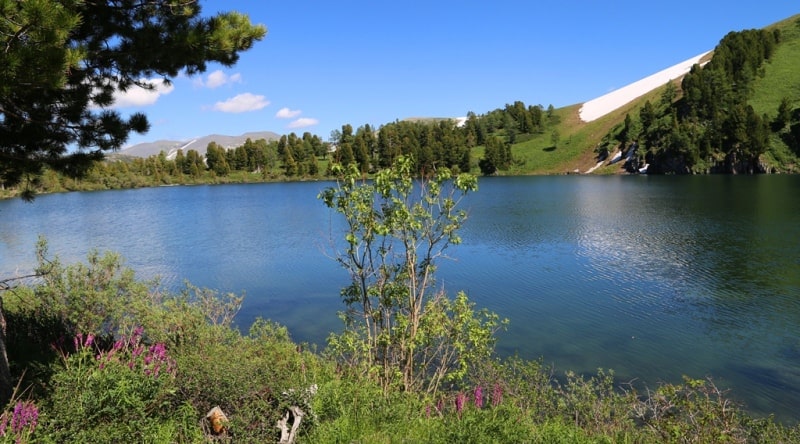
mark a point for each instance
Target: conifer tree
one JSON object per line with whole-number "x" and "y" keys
{"x": 63, "y": 61}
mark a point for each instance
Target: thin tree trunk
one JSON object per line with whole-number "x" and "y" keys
{"x": 6, "y": 385}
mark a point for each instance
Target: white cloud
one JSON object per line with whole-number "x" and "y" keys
{"x": 217, "y": 79}
{"x": 286, "y": 113}
{"x": 303, "y": 122}
{"x": 242, "y": 103}
{"x": 138, "y": 96}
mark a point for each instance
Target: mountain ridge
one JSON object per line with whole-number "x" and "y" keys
{"x": 199, "y": 144}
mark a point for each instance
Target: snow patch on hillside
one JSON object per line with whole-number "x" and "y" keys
{"x": 599, "y": 107}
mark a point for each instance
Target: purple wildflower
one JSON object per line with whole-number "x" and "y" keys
{"x": 460, "y": 398}
{"x": 25, "y": 415}
{"x": 3, "y": 424}
{"x": 159, "y": 351}
{"x": 478, "y": 396}
{"x": 497, "y": 395}
{"x": 428, "y": 411}
{"x": 151, "y": 360}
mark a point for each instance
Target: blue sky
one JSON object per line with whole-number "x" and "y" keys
{"x": 326, "y": 64}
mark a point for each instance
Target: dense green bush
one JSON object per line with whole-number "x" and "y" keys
{"x": 246, "y": 376}
{"x": 398, "y": 328}
{"x": 124, "y": 394}
{"x": 92, "y": 334}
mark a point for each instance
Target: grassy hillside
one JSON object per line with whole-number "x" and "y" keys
{"x": 780, "y": 80}
{"x": 576, "y": 143}
{"x": 576, "y": 140}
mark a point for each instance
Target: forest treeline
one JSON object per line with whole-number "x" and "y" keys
{"x": 709, "y": 126}
{"x": 434, "y": 144}
{"x": 444, "y": 143}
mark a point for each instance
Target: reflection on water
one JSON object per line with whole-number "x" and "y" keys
{"x": 655, "y": 277}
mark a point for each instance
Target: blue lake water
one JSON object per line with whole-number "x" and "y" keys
{"x": 654, "y": 277}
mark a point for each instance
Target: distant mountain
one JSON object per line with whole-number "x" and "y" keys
{"x": 171, "y": 147}
{"x": 460, "y": 121}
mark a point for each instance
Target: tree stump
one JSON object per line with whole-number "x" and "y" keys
{"x": 217, "y": 421}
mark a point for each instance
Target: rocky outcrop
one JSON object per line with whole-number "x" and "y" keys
{"x": 733, "y": 163}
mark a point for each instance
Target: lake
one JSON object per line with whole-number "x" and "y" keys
{"x": 655, "y": 277}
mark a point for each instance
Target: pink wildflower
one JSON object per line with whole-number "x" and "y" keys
{"x": 478, "y": 396}
{"x": 460, "y": 398}
{"x": 25, "y": 415}
{"x": 3, "y": 424}
{"x": 159, "y": 351}
{"x": 497, "y": 395}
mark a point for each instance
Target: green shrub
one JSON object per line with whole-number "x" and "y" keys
{"x": 479, "y": 417}
{"x": 556, "y": 432}
{"x": 246, "y": 376}
{"x": 529, "y": 384}
{"x": 348, "y": 409}
{"x": 104, "y": 299}
{"x": 698, "y": 411}
{"x": 399, "y": 330}
{"x": 594, "y": 403}
{"x": 123, "y": 394}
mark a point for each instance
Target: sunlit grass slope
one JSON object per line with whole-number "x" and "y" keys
{"x": 573, "y": 148}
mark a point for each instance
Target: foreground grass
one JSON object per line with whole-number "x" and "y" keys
{"x": 104, "y": 357}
